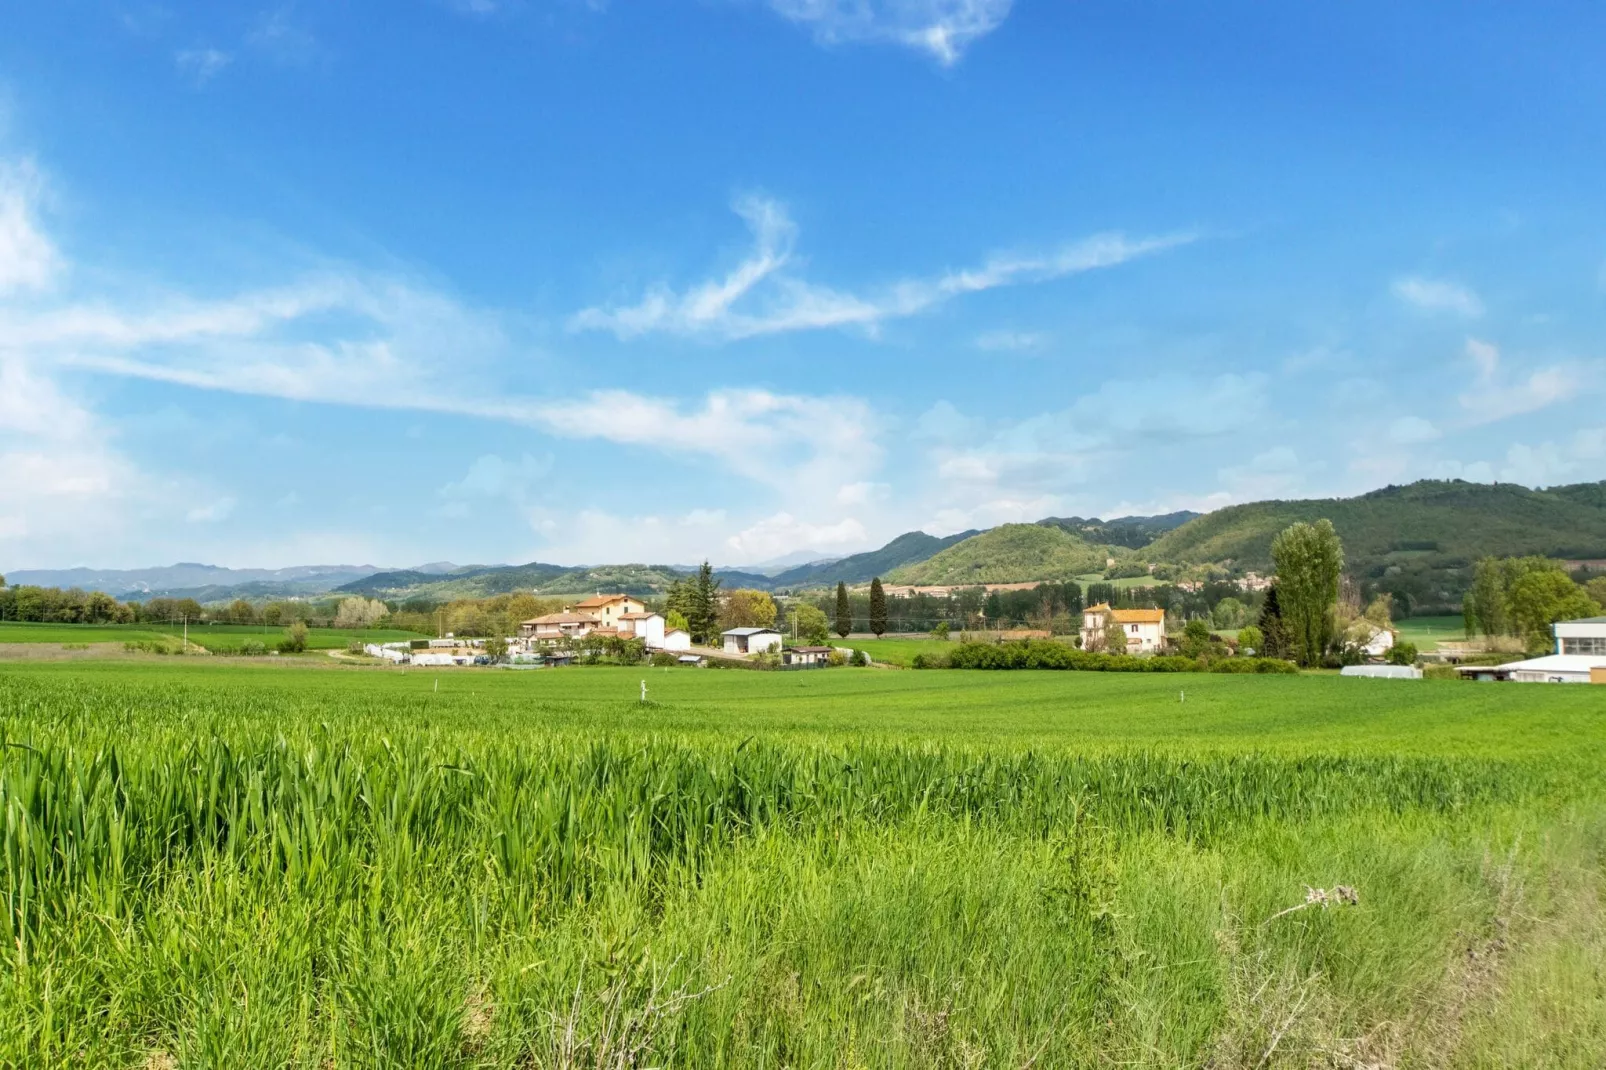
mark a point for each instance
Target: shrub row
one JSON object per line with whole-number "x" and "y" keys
{"x": 1047, "y": 654}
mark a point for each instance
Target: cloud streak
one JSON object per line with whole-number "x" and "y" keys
{"x": 28, "y": 259}
{"x": 201, "y": 65}
{"x": 1496, "y": 397}
{"x": 761, "y": 296}
{"x": 943, "y": 29}
{"x": 1436, "y": 295}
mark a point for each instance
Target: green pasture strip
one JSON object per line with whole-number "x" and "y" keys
{"x": 898, "y": 650}
{"x": 1297, "y": 714}
{"x": 219, "y": 637}
{"x": 1428, "y": 632}
{"x": 211, "y": 863}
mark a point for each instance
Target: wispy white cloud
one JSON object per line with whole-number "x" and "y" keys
{"x": 941, "y": 28}
{"x": 1438, "y": 295}
{"x": 1033, "y": 467}
{"x": 1485, "y": 358}
{"x": 201, "y": 65}
{"x": 281, "y": 35}
{"x": 784, "y": 533}
{"x": 211, "y": 512}
{"x": 490, "y": 476}
{"x": 1412, "y": 431}
{"x": 1008, "y": 341}
{"x": 760, "y": 296}
{"x": 346, "y": 336}
{"x": 1271, "y": 473}
{"x": 1494, "y": 396}
{"x": 28, "y": 259}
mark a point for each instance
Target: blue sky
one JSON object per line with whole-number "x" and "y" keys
{"x": 508, "y": 280}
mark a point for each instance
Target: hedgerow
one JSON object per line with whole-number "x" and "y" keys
{"x": 1048, "y": 654}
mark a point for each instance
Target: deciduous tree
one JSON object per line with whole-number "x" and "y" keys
{"x": 1228, "y": 613}
{"x": 747, "y": 608}
{"x": 1309, "y": 560}
{"x": 1250, "y": 640}
{"x": 812, "y": 626}
{"x": 1541, "y": 598}
{"x": 1114, "y": 637}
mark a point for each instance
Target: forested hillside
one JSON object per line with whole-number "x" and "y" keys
{"x": 1010, "y": 553}
{"x": 906, "y": 549}
{"x": 535, "y": 578}
{"x": 1449, "y": 518}
{"x": 1417, "y": 541}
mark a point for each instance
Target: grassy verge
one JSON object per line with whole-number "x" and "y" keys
{"x": 1428, "y": 632}
{"x": 217, "y": 638}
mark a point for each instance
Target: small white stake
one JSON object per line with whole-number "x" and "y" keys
{"x": 1182, "y": 696}
{"x": 437, "y": 683}
{"x": 644, "y": 691}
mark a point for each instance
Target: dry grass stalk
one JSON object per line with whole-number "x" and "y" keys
{"x": 627, "y": 1035}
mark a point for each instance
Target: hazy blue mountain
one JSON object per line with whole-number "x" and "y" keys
{"x": 188, "y": 576}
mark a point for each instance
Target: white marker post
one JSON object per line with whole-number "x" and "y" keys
{"x": 644, "y": 691}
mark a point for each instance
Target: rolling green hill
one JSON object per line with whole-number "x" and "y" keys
{"x": 906, "y": 549}
{"x": 537, "y": 578}
{"x": 1417, "y": 541}
{"x": 1010, "y": 553}
{"x": 1446, "y": 518}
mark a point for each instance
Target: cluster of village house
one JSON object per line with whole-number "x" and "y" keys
{"x": 606, "y": 615}
{"x": 1580, "y": 655}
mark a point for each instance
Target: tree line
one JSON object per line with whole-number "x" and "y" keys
{"x": 1522, "y": 597}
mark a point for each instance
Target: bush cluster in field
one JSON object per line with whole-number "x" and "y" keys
{"x": 1048, "y": 654}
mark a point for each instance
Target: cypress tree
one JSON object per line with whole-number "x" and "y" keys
{"x": 1274, "y": 638}
{"x": 844, "y": 612}
{"x": 702, "y": 609}
{"x": 878, "y": 608}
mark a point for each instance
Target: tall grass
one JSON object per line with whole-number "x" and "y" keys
{"x": 214, "y": 877}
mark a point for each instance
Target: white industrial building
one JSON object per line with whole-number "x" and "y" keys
{"x": 1580, "y": 658}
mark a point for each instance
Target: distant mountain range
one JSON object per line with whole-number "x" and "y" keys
{"x": 205, "y": 583}
{"x": 1417, "y": 541}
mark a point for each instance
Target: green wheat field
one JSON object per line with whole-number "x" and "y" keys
{"x": 225, "y": 864}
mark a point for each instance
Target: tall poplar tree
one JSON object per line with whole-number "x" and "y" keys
{"x": 878, "y": 608}
{"x": 1309, "y": 561}
{"x": 844, "y": 611}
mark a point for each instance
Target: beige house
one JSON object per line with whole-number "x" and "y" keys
{"x": 609, "y": 608}
{"x": 1144, "y": 628}
{"x": 565, "y": 625}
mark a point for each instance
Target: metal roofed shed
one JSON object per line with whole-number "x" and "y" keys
{"x": 1550, "y": 669}
{"x": 1383, "y": 672}
{"x": 750, "y": 640}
